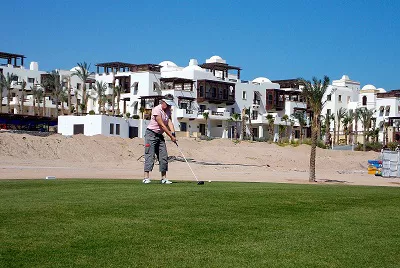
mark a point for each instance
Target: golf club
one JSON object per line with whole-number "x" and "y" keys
{"x": 198, "y": 182}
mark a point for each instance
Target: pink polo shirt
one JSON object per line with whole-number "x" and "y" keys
{"x": 165, "y": 116}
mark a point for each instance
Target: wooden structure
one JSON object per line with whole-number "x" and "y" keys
{"x": 223, "y": 67}
{"x": 13, "y": 58}
{"x": 117, "y": 66}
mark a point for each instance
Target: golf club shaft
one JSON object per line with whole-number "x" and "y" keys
{"x": 187, "y": 162}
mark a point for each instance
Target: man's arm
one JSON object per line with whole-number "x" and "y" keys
{"x": 166, "y": 130}
{"x": 171, "y": 126}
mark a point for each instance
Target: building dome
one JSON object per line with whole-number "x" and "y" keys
{"x": 345, "y": 77}
{"x": 75, "y": 69}
{"x": 167, "y": 63}
{"x": 381, "y": 90}
{"x": 215, "y": 58}
{"x": 368, "y": 87}
{"x": 261, "y": 80}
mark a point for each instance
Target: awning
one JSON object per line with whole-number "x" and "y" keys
{"x": 387, "y": 107}
{"x": 135, "y": 85}
{"x": 258, "y": 94}
{"x": 134, "y": 103}
{"x": 381, "y": 108}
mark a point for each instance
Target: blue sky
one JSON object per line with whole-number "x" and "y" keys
{"x": 274, "y": 39}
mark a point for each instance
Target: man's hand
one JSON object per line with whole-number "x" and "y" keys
{"x": 173, "y": 139}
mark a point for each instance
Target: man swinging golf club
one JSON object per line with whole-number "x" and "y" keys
{"x": 160, "y": 122}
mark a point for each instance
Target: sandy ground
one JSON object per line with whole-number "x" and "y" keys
{"x": 23, "y": 156}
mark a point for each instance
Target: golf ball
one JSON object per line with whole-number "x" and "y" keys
{"x": 209, "y": 181}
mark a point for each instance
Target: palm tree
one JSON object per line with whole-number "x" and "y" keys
{"x": 248, "y": 113}
{"x": 346, "y": 120}
{"x": 100, "y": 88}
{"x": 328, "y": 119}
{"x": 244, "y": 119}
{"x": 235, "y": 118}
{"x": 292, "y": 129}
{"x": 63, "y": 99}
{"x": 356, "y": 118}
{"x": 22, "y": 97}
{"x": 339, "y": 115}
{"x": 302, "y": 122}
{"x": 118, "y": 91}
{"x": 314, "y": 93}
{"x": 37, "y": 94}
{"x": 285, "y": 118}
{"x": 206, "y": 116}
{"x": 53, "y": 82}
{"x": 365, "y": 118}
{"x": 6, "y": 82}
{"x": 271, "y": 122}
{"x": 83, "y": 73}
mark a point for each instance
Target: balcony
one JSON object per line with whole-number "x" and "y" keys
{"x": 185, "y": 113}
{"x": 218, "y": 92}
{"x": 261, "y": 119}
{"x": 214, "y": 115}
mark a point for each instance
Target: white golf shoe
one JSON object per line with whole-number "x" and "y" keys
{"x": 166, "y": 181}
{"x": 146, "y": 181}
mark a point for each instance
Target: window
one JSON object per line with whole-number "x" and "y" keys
{"x": 184, "y": 105}
{"x": 15, "y": 78}
{"x": 201, "y": 91}
{"x": 117, "y": 129}
{"x": 233, "y": 110}
{"x": 202, "y": 108}
{"x": 244, "y": 95}
{"x": 111, "y": 128}
{"x": 364, "y": 100}
{"x": 340, "y": 98}
{"x": 214, "y": 92}
{"x": 1, "y": 71}
{"x": 78, "y": 85}
{"x": 254, "y": 115}
{"x": 183, "y": 126}
{"x": 155, "y": 86}
{"x": 329, "y": 97}
{"x": 90, "y": 85}
{"x": 328, "y": 112}
{"x": 31, "y": 80}
{"x": 348, "y": 99}
{"x": 219, "y": 125}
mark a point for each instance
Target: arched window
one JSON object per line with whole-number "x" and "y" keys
{"x": 364, "y": 100}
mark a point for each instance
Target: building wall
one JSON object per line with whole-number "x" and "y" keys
{"x": 100, "y": 125}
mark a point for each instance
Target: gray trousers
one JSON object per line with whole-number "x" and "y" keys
{"x": 155, "y": 145}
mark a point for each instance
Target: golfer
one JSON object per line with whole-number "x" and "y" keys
{"x": 160, "y": 122}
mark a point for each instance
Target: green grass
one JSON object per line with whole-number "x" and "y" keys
{"x": 123, "y": 223}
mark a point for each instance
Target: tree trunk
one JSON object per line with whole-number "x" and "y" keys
{"x": 365, "y": 140}
{"x": 338, "y": 132}
{"x": 356, "y": 132}
{"x": 314, "y": 133}
{"x": 334, "y": 131}
{"x": 84, "y": 95}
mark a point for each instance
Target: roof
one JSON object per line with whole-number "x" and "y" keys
{"x": 176, "y": 80}
{"x": 5, "y": 55}
{"x": 219, "y": 66}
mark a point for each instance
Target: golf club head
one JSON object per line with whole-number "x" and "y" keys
{"x": 200, "y": 182}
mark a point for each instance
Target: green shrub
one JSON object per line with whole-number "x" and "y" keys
{"x": 370, "y": 146}
{"x": 91, "y": 112}
{"x": 128, "y": 115}
{"x": 392, "y": 145}
{"x": 136, "y": 116}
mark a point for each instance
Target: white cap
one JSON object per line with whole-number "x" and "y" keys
{"x": 169, "y": 102}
